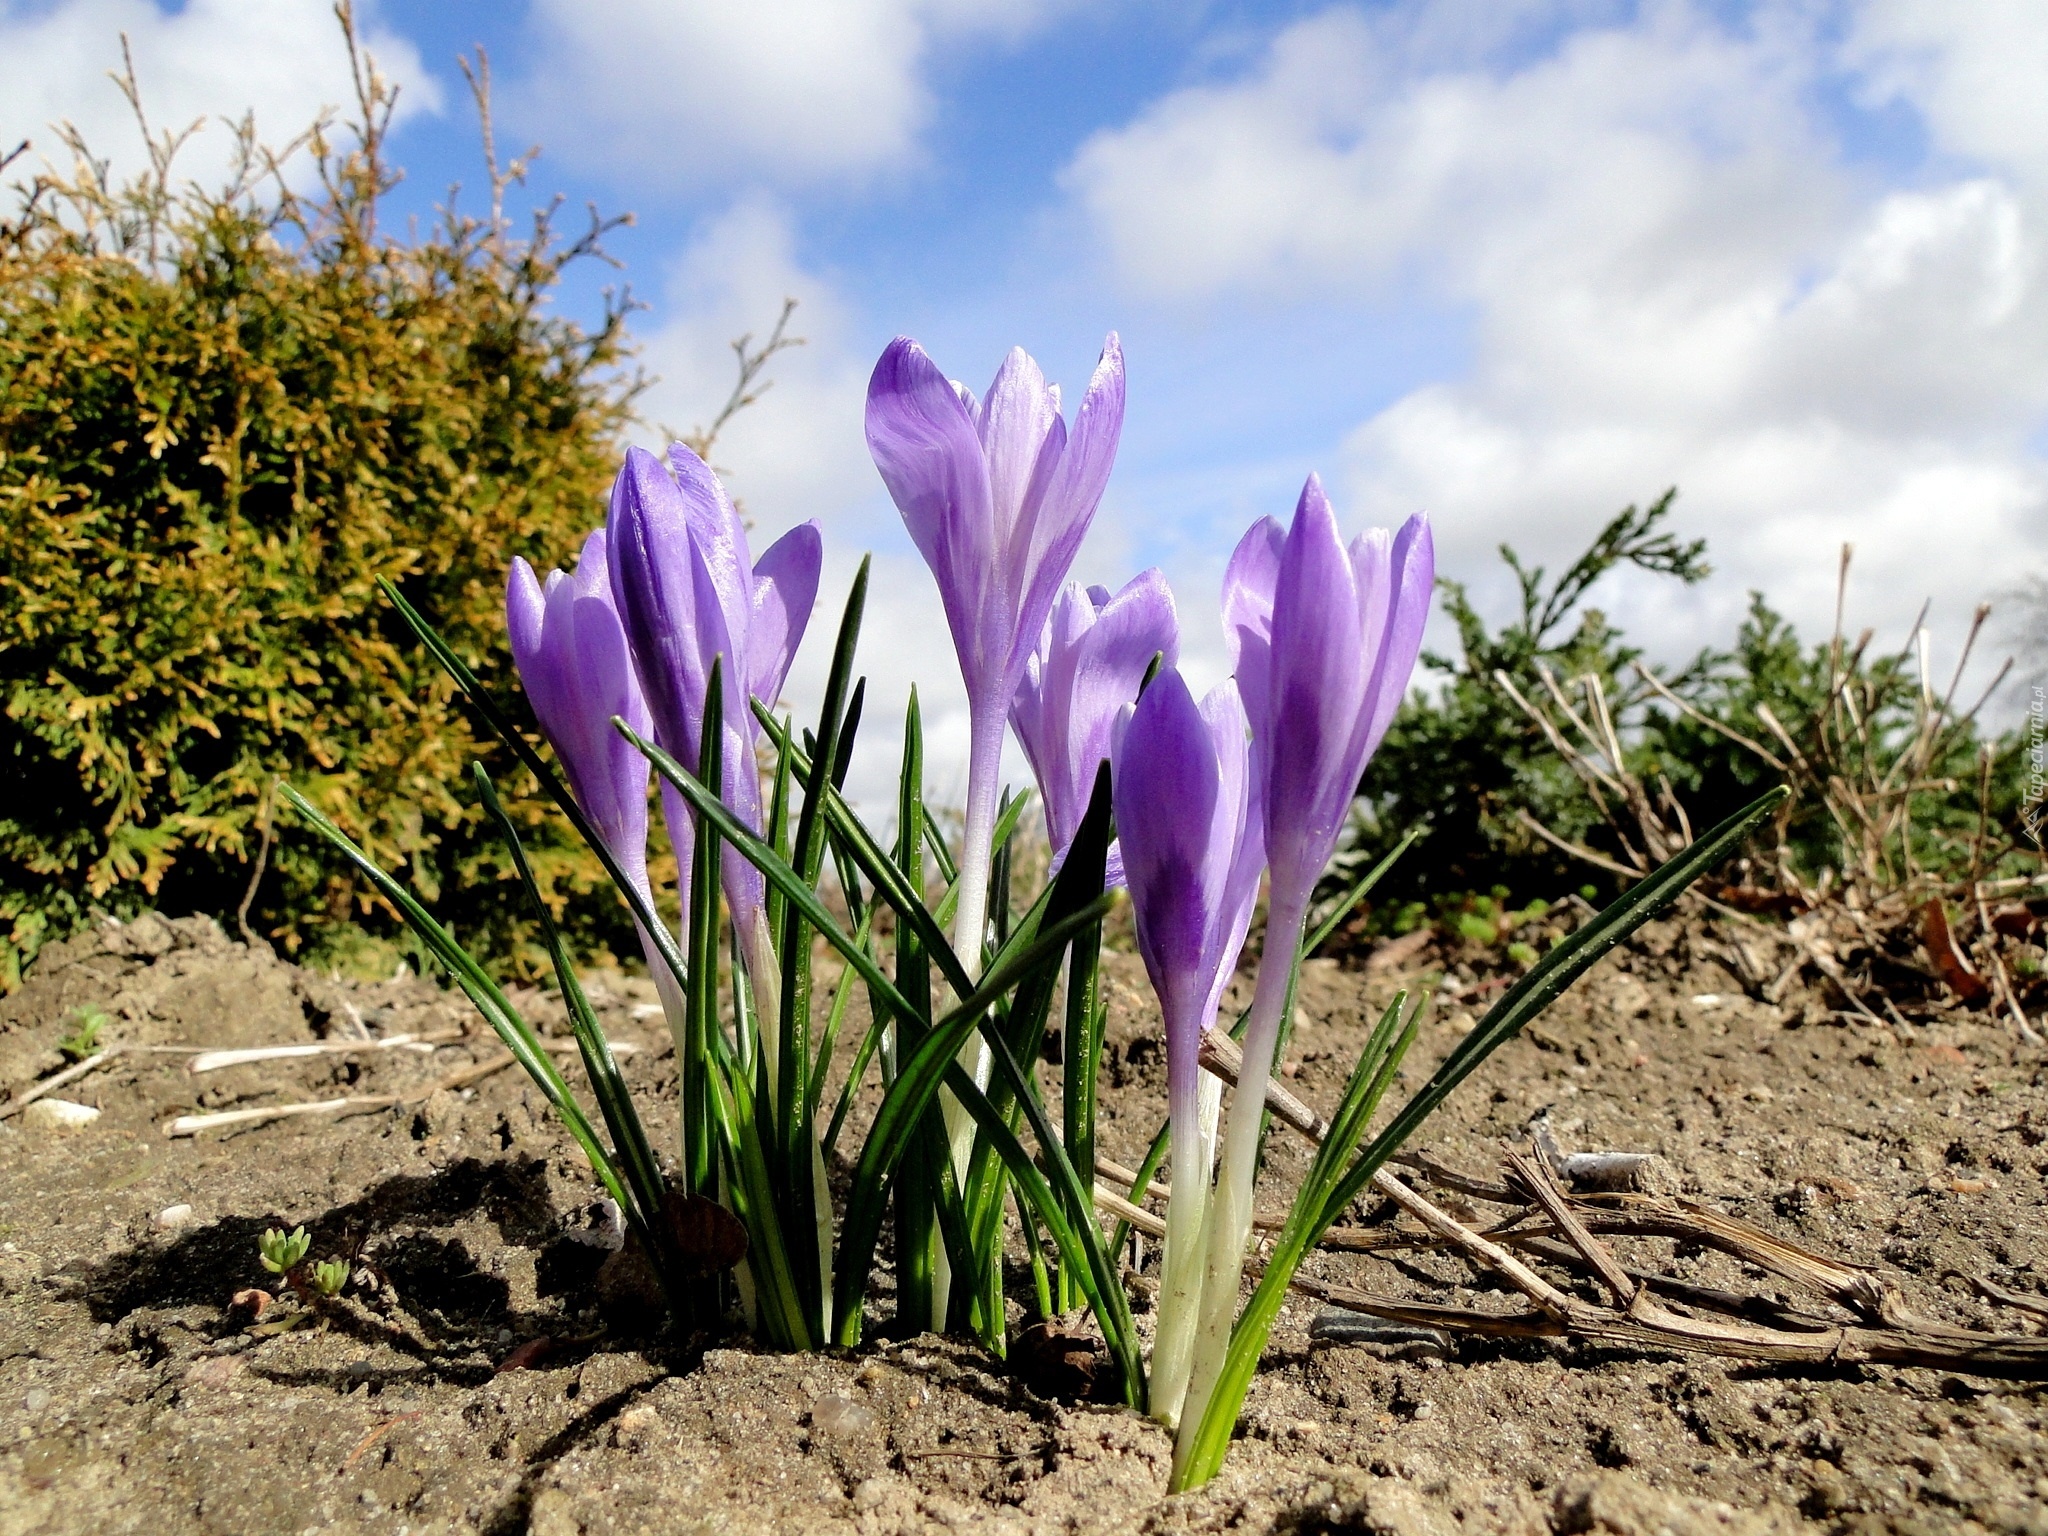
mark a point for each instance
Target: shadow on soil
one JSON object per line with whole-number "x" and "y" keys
{"x": 434, "y": 1275}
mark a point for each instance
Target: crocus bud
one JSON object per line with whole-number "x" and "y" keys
{"x": 573, "y": 663}
{"x": 1187, "y": 815}
{"x": 688, "y": 593}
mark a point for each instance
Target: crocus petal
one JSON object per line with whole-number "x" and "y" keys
{"x": 1307, "y": 745}
{"x": 1248, "y": 583}
{"x": 1089, "y": 665}
{"x": 1090, "y": 454}
{"x": 1017, "y": 418}
{"x": 1165, "y": 788}
{"x": 925, "y": 444}
{"x": 1325, "y": 639}
{"x": 719, "y": 538}
{"x": 785, "y": 588}
{"x": 1412, "y": 575}
{"x": 1234, "y": 879}
{"x": 570, "y": 649}
{"x": 1066, "y": 506}
{"x": 1182, "y": 785}
{"x": 524, "y": 607}
{"x": 686, "y": 589}
{"x": 649, "y": 548}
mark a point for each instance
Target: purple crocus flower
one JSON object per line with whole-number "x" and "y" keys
{"x": 1186, "y": 813}
{"x": 571, "y": 653}
{"x": 1325, "y": 638}
{"x": 1088, "y": 666}
{"x": 689, "y": 593}
{"x": 997, "y": 495}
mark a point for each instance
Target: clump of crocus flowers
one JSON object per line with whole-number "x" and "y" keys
{"x": 664, "y": 653}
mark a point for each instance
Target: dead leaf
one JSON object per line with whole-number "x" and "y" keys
{"x": 2015, "y": 922}
{"x": 527, "y": 1355}
{"x": 1057, "y": 1362}
{"x": 1951, "y": 962}
{"x": 709, "y": 1239}
{"x": 253, "y": 1302}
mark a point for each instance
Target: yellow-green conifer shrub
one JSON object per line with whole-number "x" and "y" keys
{"x": 222, "y": 417}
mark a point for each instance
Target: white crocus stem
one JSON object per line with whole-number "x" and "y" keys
{"x": 764, "y": 978}
{"x": 1180, "y": 1287}
{"x": 674, "y": 1010}
{"x": 1230, "y": 1208}
{"x": 970, "y": 919}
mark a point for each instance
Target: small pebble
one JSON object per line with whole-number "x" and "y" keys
{"x": 36, "y": 1400}
{"x": 839, "y": 1418}
{"x": 172, "y": 1217}
{"x": 1425, "y": 1411}
{"x": 59, "y": 1115}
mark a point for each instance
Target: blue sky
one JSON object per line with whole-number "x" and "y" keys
{"x": 1517, "y": 261}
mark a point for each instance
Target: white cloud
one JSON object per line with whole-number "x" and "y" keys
{"x": 1671, "y": 271}
{"x": 1977, "y": 73}
{"x": 217, "y": 59}
{"x": 799, "y": 449}
{"x": 686, "y": 91}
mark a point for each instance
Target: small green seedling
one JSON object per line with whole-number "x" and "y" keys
{"x": 329, "y": 1276}
{"x": 282, "y": 1253}
{"x": 84, "y": 1038}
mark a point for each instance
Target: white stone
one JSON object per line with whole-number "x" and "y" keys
{"x": 172, "y": 1217}
{"x": 59, "y": 1115}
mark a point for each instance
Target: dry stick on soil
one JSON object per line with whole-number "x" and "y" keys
{"x": 213, "y": 1061}
{"x": 206, "y": 1058}
{"x": 1894, "y": 1335}
{"x": 192, "y": 1125}
{"x": 262, "y": 862}
{"x": 71, "y": 1074}
{"x": 1891, "y": 1334}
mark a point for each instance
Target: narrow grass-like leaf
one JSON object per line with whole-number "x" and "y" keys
{"x": 911, "y": 1095}
{"x": 1155, "y": 1155}
{"x": 797, "y": 1147}
{"x": 1550, "y": 976}
{"x": 882, "y": 871}
{"x": 835, "y": 1019}
{"x": 918, "y": 1077}
{"x": 1081, "y": 1248}
{"x": 925, "y": 1178}
{"x": 490, "y": 1000}
{"x": 1545, "y": 982}
{"x": 480, "y": 699}
{"x": 607, "y": 1082}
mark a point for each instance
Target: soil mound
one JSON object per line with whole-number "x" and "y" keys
{"x": 488, "y": 1369}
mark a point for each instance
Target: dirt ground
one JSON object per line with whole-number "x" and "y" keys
{"x": 476, "y": 1389}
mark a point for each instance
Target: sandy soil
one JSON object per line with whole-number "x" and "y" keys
{"x": 478, "y": 1389}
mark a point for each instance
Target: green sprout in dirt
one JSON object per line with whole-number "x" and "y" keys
{"x": 329, "y": 1276}
{"x": 84, "y": 1036}
{"x": 282, "y": 1253}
